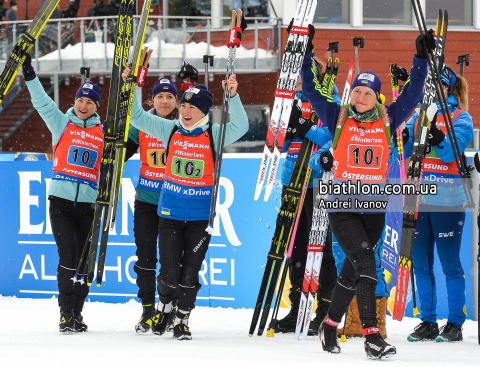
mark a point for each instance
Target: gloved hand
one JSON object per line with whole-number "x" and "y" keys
{"x": 243, "y": 24}
{"x": 27, "y": 69}
{"x": 311, "y": 34}
{"x": 295, "y": 115}
{"x": 424, "y": 49}
{"x": 302, "y": 127}
{"x": 405, "y": 136}
{"x": 188, "y": 71}
{"x": 400, "y": 73}
{"x": 326, "y": 160}
{"x": 435, "y": 135}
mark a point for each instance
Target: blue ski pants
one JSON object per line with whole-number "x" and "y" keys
{"x": 443, "y": 229}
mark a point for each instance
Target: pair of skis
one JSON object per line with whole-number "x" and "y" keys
{"x": 287, "y": 222}
{"x": 415, "y": 167}
{"x": 115, "y": 136}
{"x": 317, "y": 237}
{"x": 292, "y": 61}
{"x": 24, "y": 46}
{"x": 234, "y": 39}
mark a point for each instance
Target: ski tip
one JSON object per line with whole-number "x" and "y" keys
{"x": 271, "y": 333}
{"x": 343, "y": 339}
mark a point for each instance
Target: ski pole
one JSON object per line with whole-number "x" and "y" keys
{"x": 444, "y": 107}
{"x": 415, "y": 309}
{"x": 85, "y": 73}
{"x": 207, "y": 59}
{"x": 343, "y": 338}
{"x": 273, "y": 322}
{"x": 461, "y": 60}
{"x": 358, "y": 41}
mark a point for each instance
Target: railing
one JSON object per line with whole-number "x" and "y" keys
{"x": 65, "y": 45}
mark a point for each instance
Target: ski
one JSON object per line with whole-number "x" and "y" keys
{"x": 234, "y": 39}
{"x": 328, "y": 83}
{"x": 292, "y": 60}
{"x": 415, "y": 176}
{"x": 348, "y": 84}
{"x": 281, "y": 238}
{"x": 139, "y": 61}
{"x": 24, "y": 46}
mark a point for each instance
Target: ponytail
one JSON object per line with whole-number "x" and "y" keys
{"x": 460, "y": 91}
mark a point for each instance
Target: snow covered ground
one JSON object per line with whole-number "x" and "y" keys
{"x": 29, "y": 337}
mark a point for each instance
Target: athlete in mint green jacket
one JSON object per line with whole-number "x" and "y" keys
{"x": 77, "y": 139}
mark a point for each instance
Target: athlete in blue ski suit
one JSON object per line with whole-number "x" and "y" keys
{"x": 440, "y": 221}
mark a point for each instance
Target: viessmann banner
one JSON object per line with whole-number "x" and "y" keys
{"x": 232, "y": 270}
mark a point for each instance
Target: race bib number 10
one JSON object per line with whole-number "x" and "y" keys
{"x": 156, "y": 158}
{"x": 363, "y": 156}
{"x": 83, "y": 157}
{"x": 187, "y": 168}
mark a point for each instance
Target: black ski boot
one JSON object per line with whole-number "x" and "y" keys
{"x": 323, "y": 304}
{"x": 171, "y": 317}
{"x": 450, "y": 333}
{"x": 181, "y": 330}
{"x": 160, "y": 320}
{"x": 66, "y": 324}
{"x": 376, "y": 347}
{"x": 78, "y": 323}
{"x": 424, "y": 331}
{"x": 328, "y": 335}
{"x": 289, "y": 322}
{"x": 145, "y": 323}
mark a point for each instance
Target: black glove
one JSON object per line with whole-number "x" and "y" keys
{"x": 435, "y": 135}
{"x": 400, "y": 73}
{"x": 295, "y": 115}
{"x": 311, "y": 34}
{"x": 326, "y": 160}
{"x": 243, "y": 24}
{"x": 425, "y": 43}
{"x": 188, "y": 71}
{"x": 302, "y": 127}
{"x": 405, "y": 136}
{"x": 27, "y": 69}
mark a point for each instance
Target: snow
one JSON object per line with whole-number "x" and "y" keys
{"x": 96, "y": 50}
{"x": 30, "y": 337}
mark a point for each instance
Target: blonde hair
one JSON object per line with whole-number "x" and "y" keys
{"x": 460, "y": 91}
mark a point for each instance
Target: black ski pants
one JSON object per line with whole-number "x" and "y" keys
{"x": 298, "y": 260}
{"x": 71, "y": 223}
{"x": 183, "y": 245}
{"x": 357, "y": 235}
{"x": 145, "y": 228}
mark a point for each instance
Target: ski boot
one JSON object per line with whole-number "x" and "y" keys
{"x": 78, "y": 323}
{"x": 328, "y": 336}
{"x": 424, "y": 331}
{"x": 289, "y": 322}
{"x": 375, "y": 346}
{"x": 180, "y": 329}
{"x": 323, "y": 304}
{"x": 66, "y": 324}
{"x": 171, "y": 317}
{"x": 160, "y": 320}
{"x": 450, "y": 333}
{"x": 145, "y": 323}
